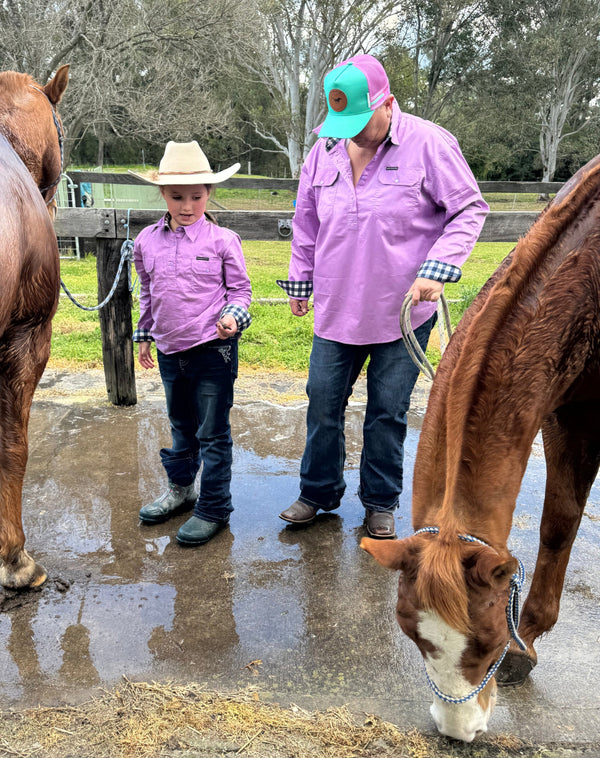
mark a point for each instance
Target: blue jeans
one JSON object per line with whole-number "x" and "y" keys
{"x": 199, "y": 393}
{"x": 391, "y": 377}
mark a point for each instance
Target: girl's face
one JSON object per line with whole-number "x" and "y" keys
{"x": 185, "y": 202}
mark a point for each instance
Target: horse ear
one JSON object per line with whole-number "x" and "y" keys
{"x": 57, "y": 85}
{"x": 392, "y": 554}
{"x": 489, "y": 569}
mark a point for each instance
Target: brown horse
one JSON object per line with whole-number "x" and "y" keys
{"x": 526, "y": 355}
{"x": 30, "y": 165}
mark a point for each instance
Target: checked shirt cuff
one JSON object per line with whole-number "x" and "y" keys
{"x": 240, "y": 314}
{"x": 439, "y": 272}
{"x": 297, "y": 290}
{"x": 142, "y": 335}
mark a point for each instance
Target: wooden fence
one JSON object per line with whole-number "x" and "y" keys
{"x": 110, "y": 227}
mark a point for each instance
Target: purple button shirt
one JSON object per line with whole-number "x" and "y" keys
{"x": 416, "y": 201}
{"x": 187, "y": 276}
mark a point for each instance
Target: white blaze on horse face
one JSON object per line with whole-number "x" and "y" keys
{"x": 460, "y": 721}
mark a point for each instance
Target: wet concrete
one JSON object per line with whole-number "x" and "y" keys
{"x": 302, "y": 615}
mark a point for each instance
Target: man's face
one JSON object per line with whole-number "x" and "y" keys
{"x": 377, "y": 128}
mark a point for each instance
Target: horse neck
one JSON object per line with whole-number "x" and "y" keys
{"x": 27, "y": 124}
{"x": 490, "y": 398}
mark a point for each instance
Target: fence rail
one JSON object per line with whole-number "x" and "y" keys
{"x": 292, "y": 184}
{"x": 110, "y": 226}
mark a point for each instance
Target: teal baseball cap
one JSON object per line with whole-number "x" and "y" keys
{"x": 354, "y": 89}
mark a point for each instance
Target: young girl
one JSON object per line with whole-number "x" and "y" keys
{"x": 194, "y": 300}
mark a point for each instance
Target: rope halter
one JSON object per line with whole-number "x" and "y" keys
{"x": 513, "y": 613}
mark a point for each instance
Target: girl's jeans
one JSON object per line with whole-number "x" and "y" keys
{"x": 199, "y": 392}
{"x": 391, "y": 377}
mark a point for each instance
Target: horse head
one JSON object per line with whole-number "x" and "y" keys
{"x": 30, "y": 122}
{"x": 453, "y": 596}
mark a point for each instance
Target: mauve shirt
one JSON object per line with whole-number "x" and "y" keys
{"x": 187, "y": 276}
{"x": 362, "y": 247}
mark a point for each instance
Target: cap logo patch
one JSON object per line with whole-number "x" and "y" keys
{"x": 337, "y": 100}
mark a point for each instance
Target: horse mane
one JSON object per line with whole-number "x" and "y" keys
{"x": 12, "y": 82}
{"x": 440, "y": 582}
{"x": 532, "y": 261}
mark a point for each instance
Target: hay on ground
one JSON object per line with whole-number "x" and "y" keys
{"x": 142, "y": 720}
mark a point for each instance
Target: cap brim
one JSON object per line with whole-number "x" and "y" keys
{"x": 153, "y": 177}
{"x": 343, "y": 127}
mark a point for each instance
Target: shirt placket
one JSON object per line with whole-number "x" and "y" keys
{"x": 175, "y": 257}
{"x": 342, "y": 163}
{"x": 367, "y": 181}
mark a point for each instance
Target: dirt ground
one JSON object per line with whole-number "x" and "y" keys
{"x": 148, "y": 719}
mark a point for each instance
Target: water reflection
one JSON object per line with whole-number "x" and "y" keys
{"x": 202, "y": 628}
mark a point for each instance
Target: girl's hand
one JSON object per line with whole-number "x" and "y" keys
{"x": 226, "y": 327}
{"x": 145, "y": 355}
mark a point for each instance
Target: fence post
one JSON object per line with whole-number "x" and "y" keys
{"x": 115, "y": 324}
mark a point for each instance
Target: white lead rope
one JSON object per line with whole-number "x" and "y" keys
{"x": 414, "y": 349}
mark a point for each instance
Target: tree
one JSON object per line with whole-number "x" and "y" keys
{"x": 547, "y": 53}
{"x": 301, "y": 41}
{"x": 450, "y": 39}
{"x": 144, "y": 68}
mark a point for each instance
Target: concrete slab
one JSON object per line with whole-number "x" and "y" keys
{"x": 303, "y": 615}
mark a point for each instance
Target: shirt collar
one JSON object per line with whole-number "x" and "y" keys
{"x": 191, "y": 231}
{"x": 394, "y": 124}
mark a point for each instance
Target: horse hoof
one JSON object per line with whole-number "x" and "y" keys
{"x": 515, "y": 669}
{"x": 39, "y": 577}
{"x": 24, "y": 574}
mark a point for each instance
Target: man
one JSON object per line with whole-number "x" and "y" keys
{"x": 386, "y": 205}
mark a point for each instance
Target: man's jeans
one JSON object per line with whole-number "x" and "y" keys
{"x": 199, "y": 392}
{"x": 391, "y": 377}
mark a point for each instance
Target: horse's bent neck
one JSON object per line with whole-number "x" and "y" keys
{"x": 527, "y": 341}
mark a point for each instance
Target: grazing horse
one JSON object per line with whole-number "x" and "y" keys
{"x": 525, "y": 356}
{"x": 30, "y": 167}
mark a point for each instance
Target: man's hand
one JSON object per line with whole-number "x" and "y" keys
{"x": 425, "y": 289}
{"x": 299, "y": 307}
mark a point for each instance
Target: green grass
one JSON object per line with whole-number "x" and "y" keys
{"x": 276, "y": 341}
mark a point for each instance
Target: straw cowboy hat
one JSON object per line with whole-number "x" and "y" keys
{"x": 185, "y": 163}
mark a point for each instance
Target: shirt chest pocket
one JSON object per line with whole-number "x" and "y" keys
{"x": 205, "y": 265}
{"x": 399, "y": 192}
{"x": 149, "y": 261}
{"x": 325, "y": 186}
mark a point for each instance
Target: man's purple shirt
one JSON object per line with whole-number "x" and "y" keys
{"x": 362, "y": 247}
{"x": 188, "y": 277}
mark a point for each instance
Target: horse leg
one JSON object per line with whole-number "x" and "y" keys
{"x": 572, "y": 462}
{"x": 23, "y": 357}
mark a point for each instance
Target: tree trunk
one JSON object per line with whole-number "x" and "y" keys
{"x": 100, "y": 156}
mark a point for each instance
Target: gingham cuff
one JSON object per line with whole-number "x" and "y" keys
{"x": 297, "y": 290}
{"x": 240, "y": 314}
{"x": 440, "y": 272}
{"x": 142, "y": 335}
